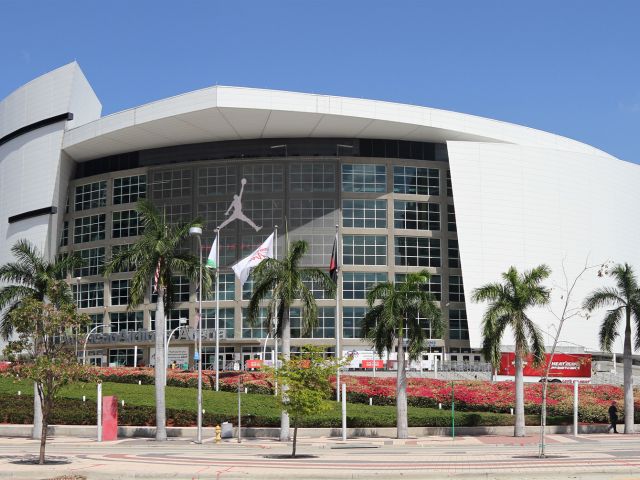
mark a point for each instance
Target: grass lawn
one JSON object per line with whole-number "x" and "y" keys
{"x": 259, "y": 410}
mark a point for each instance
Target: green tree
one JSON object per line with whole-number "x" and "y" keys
{"x": 160, "y": 248}
{"x": 43, "y": 353}
{"x": 306, "y": 384}
{"x": 624, "y": 299}
{"x": 32, "y": 275}
{"x": 508, "y": 305}
{"x": 284, "y": 282}
{"x": 399, "y": 311}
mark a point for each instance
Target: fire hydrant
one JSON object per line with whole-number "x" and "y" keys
{"x": 218, "y": 434}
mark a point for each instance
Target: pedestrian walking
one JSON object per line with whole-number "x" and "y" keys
{"x": 613, "y": 416}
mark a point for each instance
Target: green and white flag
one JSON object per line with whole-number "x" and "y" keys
{"x": 212, "y": 260}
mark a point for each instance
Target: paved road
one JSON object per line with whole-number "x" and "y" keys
{"x": 490, "y": 457}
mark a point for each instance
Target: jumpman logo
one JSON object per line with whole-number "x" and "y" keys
{"x": 236, "y": 206}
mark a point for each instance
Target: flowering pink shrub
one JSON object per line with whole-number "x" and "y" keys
{"x": 469, "y": 395}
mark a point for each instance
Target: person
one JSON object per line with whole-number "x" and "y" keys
{"x": 613, "y": 416}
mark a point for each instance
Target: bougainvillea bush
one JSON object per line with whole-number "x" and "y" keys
{"x": 478, "y": 396}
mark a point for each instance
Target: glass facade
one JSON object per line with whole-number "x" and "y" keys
{"x": 388, "y": 207}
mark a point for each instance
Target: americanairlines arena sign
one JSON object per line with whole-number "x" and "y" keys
{"x": 563, "y": 365}
{"x": 148, "y": 336}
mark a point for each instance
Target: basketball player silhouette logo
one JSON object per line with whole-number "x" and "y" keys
{"x": 235, "y": 209}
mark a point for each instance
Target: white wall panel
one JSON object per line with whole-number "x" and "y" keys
{"x": 523, "y": 206}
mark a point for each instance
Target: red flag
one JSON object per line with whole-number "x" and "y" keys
{"x": 156, "y": 277}
{"x": 333, "y": 264}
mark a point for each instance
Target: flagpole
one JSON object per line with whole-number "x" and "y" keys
{"x": 275, "y": 333}
{"x": 338, "y": 356}
{"x": 217, "y": 326}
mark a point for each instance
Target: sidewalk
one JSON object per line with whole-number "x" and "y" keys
{"x": 586, "y": 456}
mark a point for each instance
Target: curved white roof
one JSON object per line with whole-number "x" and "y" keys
{"x": 233, "y": 113}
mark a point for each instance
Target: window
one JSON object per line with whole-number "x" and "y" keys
{"x": 226, "y": 320}
{"x": 449, "y": 187}
{"x": 263, "y": 178}
{"x": 312, "y": 213}
{"x": 172, "y": 184}
{"x": 124, "y": 357}
{"x": 458, "y": 327}
{"x": 226, "y": 286}
{"x": 92, "y": 262}
{"x": 97, "y": 322}
{"x": 247, "y": 290}
{"x": 325, "y": 326}
{"x": 217, "y": 180}
{"x": 91, "y": 295}
{"x": 364, "y": 213}
{"x": 126, "y": 321}
{"x": 434, "y": 286}
{"x": 451, "y": 218}
{"x": 456, "y": 289}
{"x": 453, "y": 253}
{"x": 91, "y": 195}
{"x": 364, "y": 250}
{"x": 176, "y": 213}
{"x": 264, "y": 213}
{"x": 312, "y": 177}
{"x": 180, "y": 288}
{"x": 173, "y": 319}
{"x": 260, "y": 330}
{"x": 89, "y": 229}
{"x": 416, "y": 180}
{"x": 129, "y": 189}
{"x": 225, "y": 361}
{"x": 64, "y": 238}
{"x": 417, "y": 251}
{"x": 352, "y": 321}
{"x": 320, "y": 245}
{"x": 120, "y": 292}
{"x": 416, "y": 215}
{"x": 364, "y": 178}
{"x": 126, "y": 224}
{"x": 355, "y": 285}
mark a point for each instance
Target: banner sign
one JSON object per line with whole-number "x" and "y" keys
{"x": 563, "y": 365}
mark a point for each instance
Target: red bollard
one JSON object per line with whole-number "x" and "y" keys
{"x": 109, "y": 418}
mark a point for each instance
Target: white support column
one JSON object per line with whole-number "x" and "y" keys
{"x": 344, "y": 412}
{"x": 575, "y": 408}
{"x": 99, "y": 406}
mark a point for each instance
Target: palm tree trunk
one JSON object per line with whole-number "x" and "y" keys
{"x": 286, "y": 353}
{"x": 519, "y": 430}
{"x": 401, "y": 394}
{"x": 628, "y": 378}
{"x": 160, "y": 368}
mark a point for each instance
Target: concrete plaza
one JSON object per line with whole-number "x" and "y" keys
{"x": 586, "y": 456}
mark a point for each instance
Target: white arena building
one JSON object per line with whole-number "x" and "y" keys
{"x": 409, "y": 187}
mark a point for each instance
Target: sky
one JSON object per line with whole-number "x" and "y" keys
{"x": 570, "y": 67}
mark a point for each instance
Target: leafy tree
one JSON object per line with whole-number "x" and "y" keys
{"x": 32, "y": 275}
{"x": 306, "y": 384}
{"x": 395, "y": 314}
{"x": 283, "y": 282}
{"x": 624, "y": 299}
{"x": 508, "y": 305}
{"x": 160, "y": 248}
{"x": 42, "y": 352}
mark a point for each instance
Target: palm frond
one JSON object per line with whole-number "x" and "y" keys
{"x": 603, "y": 297}
{"x": 609, "y": 328}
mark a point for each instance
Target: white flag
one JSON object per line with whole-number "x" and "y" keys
{"x": 212, "y": 260}
{"x": 244, "y": 266}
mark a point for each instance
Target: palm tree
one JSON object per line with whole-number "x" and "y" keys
{"x": 625, "y": 300}
{"x": 32, "y": 275}
{"x": 161, "y": 250}
{"x": 508, "y": 305}
{"x": 283, "y": 282}
{"x": 395, "y": 311}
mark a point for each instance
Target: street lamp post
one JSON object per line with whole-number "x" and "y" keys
{"x": 181, "y": 323}
{"x": 197, "y": 232}
{"x": 84, "y": 349}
